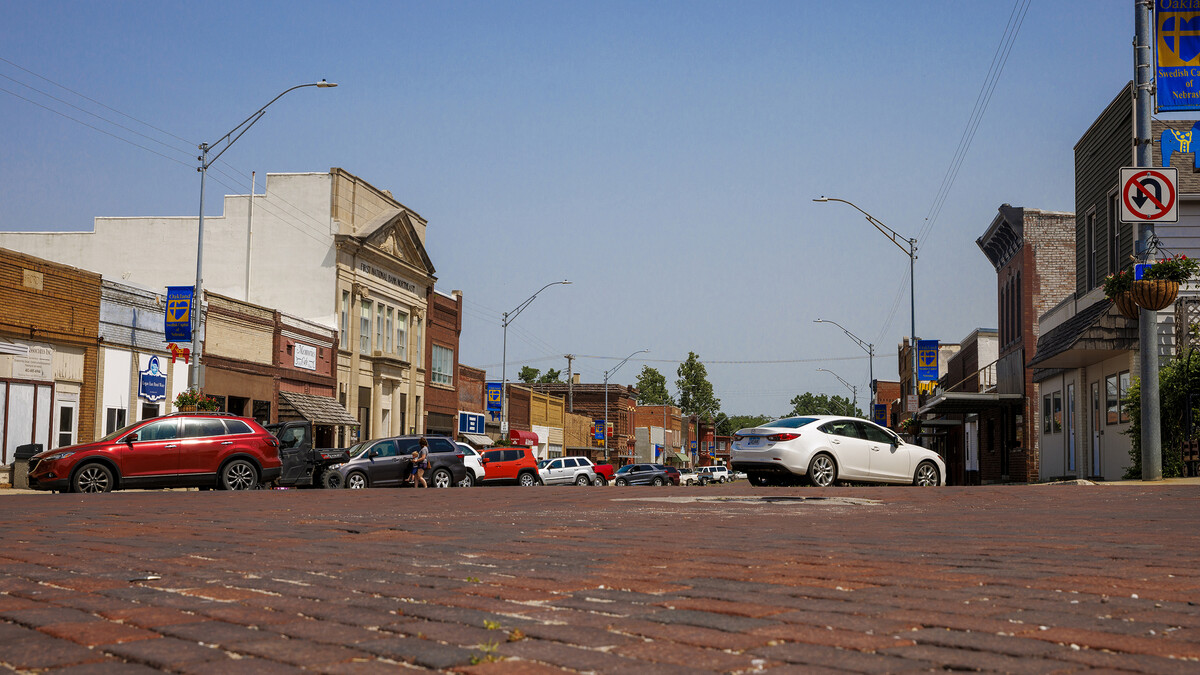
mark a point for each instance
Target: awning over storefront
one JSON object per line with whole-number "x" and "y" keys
{"x": 478, "y": 439}
{"x": 682, "y": 457}
{"x": 519, "y": 437}
{"x": 961, "y": 403}
{"x": 315, "y": 409}
{"x": 1094, "y": 334}
{"x": 13, "y": 348}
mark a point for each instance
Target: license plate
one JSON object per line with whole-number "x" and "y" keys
{"x": 753, "y": 440}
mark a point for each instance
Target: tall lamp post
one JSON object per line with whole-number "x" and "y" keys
{"x": 868, "y": 348}
{"x": 853, "y": 389}
{"x": 196, "y": 373}
{"x": 911, "y": 252}
{"x": 508, "y": 318}
{"x": 606, "y": 374}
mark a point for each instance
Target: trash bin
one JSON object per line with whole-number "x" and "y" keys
{"x": 20, "y": 473}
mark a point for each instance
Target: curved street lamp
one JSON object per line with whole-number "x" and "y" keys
{"x": 911, "y": 251}
{"x": 196, "y": 373}
{"x": 606, "y": 374}
{"x": 508, "y": 318}
{"x": 853, "y": 389}
{"x": 868, "y": 348}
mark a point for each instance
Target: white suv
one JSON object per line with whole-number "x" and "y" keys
{"x": 567, "y": 471}
{"x": 716, "y": 474}
{"x": 474, "y": 466}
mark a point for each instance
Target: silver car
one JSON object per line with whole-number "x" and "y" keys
{"x": 566, "y": 471}
{"x": 827, "y": 448}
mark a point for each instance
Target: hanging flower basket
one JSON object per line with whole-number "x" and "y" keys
{"x": 1125, "y": 304}
{"x": 1154, "y": 294}
{"x": 187, "y": 408}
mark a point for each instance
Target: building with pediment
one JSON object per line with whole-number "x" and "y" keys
{"x": 328, "y": 248}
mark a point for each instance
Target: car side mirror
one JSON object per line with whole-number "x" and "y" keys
{"x": 484, "y": 460}
{"x": 131, "y": 437}
{"x": 372, "y": 454}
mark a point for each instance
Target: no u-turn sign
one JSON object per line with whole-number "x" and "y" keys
{"x": 1149, "y": 195}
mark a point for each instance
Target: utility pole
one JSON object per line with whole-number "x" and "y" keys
{"x": 570, "y": 384}
{"x": 1148, "y": 319}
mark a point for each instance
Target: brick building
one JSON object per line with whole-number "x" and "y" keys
{"x": 968, "y": 386}
{"x": 888, "y": 393}
{"x": 589, "y": 401}
{"x": 1033, "y": 252}
{"x": 663, "y": 425}
{"x": 443, "y": 329}
{"x": 49, "y": 353}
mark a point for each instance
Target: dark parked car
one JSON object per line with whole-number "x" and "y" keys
{"x": 386, "y": 462}
{"x": 642, "y": 474}
{"x": 672, "y": 473}
{"x": 192, "y": 449}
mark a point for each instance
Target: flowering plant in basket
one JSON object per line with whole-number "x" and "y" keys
{"x": 194, "y": 399}
{"x": 1177, "y": 268}
{"x": 1116, "y": 284}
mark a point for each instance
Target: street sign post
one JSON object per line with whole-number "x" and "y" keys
{"x": 1149, "y": 195}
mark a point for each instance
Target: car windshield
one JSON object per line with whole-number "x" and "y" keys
{"x": 625, "y": 469}
{"x": 357, "y": 450}
{"x": 120, "y": 432}
{"x": 542, "y": 463}
{"x": 791, "y": 422}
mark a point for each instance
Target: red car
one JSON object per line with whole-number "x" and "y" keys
{"x": 672, "y": 474}
{"x": 510, "y": 465}
{"x": 179, "y": 450}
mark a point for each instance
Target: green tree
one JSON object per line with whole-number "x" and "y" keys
{"x": 1176, "y": 380}
{"x": 551, "y": 375}
{"x": 652, "y": 388}
{"x": 529, "y": 375}
{"x": 727, "y": 426}
{"x": 695, "y": 391}
{"x": 809, "y": 403}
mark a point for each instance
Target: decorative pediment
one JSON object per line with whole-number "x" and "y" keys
{"x": 392, "y": 232}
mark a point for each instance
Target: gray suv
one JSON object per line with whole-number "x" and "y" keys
{"x": 386, "y": 462}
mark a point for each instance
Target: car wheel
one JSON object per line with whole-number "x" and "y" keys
{"x": 657, "y": 481}
{"x": 582, "y": 480}
{"x": 468, "y": 480}
{"x": 527, "y": 480}
{"x": 621, "y": 482}
{"x": 601, "y": 480}
{"x": 331, "y": 479}
{"x": 822, "y": 472}
{"x": 239, "y": 474}
{"x": 927, "y": 475}
{"x": 93, "y": 478}
{"x": 356, "y": 481}
{"x": 442, "y": 479}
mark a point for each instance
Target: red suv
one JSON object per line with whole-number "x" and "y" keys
{"x": 510, "y": 465}
{"x": 179, "y": 450}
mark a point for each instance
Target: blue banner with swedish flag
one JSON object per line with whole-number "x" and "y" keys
{"x": 927, "y": 360}
{"x": 1177, "y": 54}
{"x": 179, "y": 314}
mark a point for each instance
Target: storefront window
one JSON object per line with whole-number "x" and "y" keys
{"x": 345, "y": 337}
{"x": 364, "y": 328}
{"x": 1113, "y": 400}
{"x": 402, "y": 334}
{"x": 1123, "y": 391}
{"x": 1046, "y": 414}
{"x": 1056, "y": 412}
{"x": 387, "y": 334}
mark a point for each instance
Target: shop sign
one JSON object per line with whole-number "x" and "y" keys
{"x": 178, "y": 315}
{"x": 305, "y": 356}
{"x": 470, "y": 423}
{"x": 384, "y": 275}
{"x": 880, "y": 414}
{"x": 36, "y": 364}
{"x": 152, "y": 382}
{"x": 495, "y": 397}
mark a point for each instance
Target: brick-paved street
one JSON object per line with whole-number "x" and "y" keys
{"x": 615, "y": 580}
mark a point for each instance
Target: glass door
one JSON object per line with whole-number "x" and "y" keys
{"x": 1071, "y": 427}
{"x": 1096, "y": 429}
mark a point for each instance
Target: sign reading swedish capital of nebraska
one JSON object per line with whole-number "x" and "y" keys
{"x": 1177, "y": 50}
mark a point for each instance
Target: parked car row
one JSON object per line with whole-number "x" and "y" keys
{"x": 219, "y": 450}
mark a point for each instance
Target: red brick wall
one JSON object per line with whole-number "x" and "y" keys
{"x": 443, "y": 327}
{"x": 471, "y": 383}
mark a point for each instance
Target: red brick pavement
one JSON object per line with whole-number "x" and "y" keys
{"x": 1042, "y": 579}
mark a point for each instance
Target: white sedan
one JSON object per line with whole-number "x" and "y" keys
{"x": 474, "y": 465}
{"x": 825, "y": 449}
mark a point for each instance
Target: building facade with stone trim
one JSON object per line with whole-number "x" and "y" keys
{"x": 49, "y": 353}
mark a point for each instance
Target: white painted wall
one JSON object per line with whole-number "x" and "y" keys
{"x": 293, "y": 265}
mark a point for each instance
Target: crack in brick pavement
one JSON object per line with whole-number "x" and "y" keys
{"x": 638, "y": 580}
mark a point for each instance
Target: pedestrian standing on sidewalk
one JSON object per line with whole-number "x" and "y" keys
{"x": 420, "y": 462}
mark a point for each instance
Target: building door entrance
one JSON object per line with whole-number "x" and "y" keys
{"x": 1095, "y": 465}
{"x": 1071, "y": 427}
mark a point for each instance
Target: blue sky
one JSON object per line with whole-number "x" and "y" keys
{"x": 662, "y": 156}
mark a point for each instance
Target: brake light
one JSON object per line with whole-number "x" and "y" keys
{"x": 460, "y": 455}
{"x": 737, "y": 438}
{"x": 775, "y": 438}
